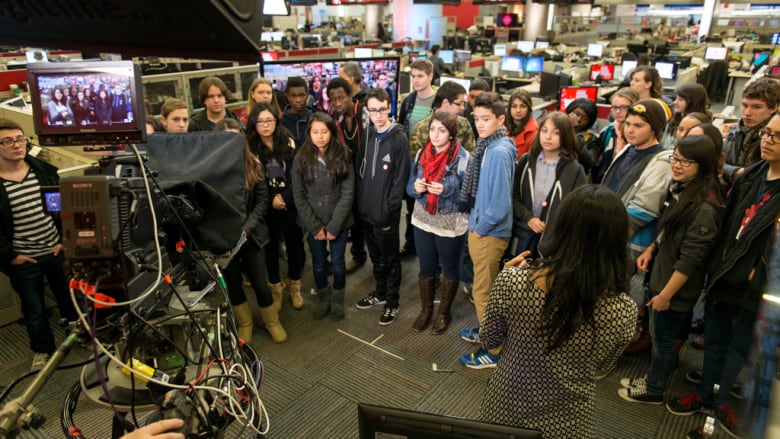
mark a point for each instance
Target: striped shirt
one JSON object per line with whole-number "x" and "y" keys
{"x": 34, "y": 231}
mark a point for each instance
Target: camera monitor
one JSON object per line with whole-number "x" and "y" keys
{"x": 534, "y": 64}
{"x": 377, "y": 72}
{"x": 87, "y": 103}
{"x": 499, "y": 50}
{"x": 377, "y": 421}
{"x": 512, "y": 64}
{"x": 667, "y": 70}
{"x": 448, "y": 56}
{"x": 716, "y": 53}
{"x": 568, "y": 94}
{"x": 595, "y": 50}
{"x": 605, "y": 71}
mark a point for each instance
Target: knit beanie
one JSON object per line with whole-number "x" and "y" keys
{"x": 653, "y": 112}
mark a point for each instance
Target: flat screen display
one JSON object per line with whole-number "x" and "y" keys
{"x": 760, "y": 59}
{"x": 542, "y": 44}
{"x": 270, "y": 56}
{"x": 775, "y": 38}
{"x": 606, "y": 71}
{"x": 568, "y": 94}
{"x": 595, "y": 50}
{"x": 525, "y": 46}
{"x": 462, "y": 55}
{"x": 627, "y": 67}
{"x": 448, "y": 56}
{"x": 499, "y": 49}
{"x": 716, "y": 53}
{"x": 667, "y": 70}
{"x": 512, "y": 64}
{"x": 87, "y": 102}
{"x": 363, "y": 52}
{"x": 466, "y": 83}
{"x": 534, "y": 64}
{"x": 504, "y": 19}
{"x": 36, "y": 55}
{"x": 377, "y": 72}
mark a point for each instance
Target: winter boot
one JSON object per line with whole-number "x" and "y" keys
{"x": 244, "y": 321}
{"x": 337, "y": 305}
{"x": 270, "y": 317}
{"x": 295, "y": 293}
{"x": 427, "y": 291}
{"x": 277, "y": 291}
{"x": 448, "y": 290}
{"x": 322, "y": 308}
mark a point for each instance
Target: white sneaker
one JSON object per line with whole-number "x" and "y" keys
{"x": 39, "y": 361}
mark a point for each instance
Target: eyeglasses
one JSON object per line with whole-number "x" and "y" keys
{"x": 770, "y": 136}
{"x": 9, "y": 142}
{"x": 617, "y": 108}
{"x": 265, "y": 121}
{"x": 382, "y": 110}
{"x": 682, "y": 162}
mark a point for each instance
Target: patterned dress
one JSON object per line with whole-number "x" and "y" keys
{"x": 553, "y": 392}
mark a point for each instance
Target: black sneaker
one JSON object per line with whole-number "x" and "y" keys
{"x": 640, "y": 394}
{"x": 388, "y": 315}
{"x": 686, "y": 406}
{"x": 369, "y": 301}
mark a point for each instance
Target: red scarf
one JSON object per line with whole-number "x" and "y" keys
{"x": 434, "y": 165}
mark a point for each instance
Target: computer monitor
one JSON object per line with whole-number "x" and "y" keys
{"x": 363, "y": 52}
{"x": 549, "y": 85}
{"x": 595, "y": 50}
{"x": 377, "y": 421}
{"x": 504, "y": 19}
{"x": 499, "y": 49}
{"x": 716, "y": 53}
{"x": 541, "y": 44}
{"x": 637, "y": 49}
{"x": 534, "y": 64}
{"x": 604, "y": 71}
{"x": 569, "y": 94}
{"x": 512, "y": 64}
{"x": 775, "y": 38}
{"x": 760, "y": 59}
{"x": 627, "y": 67}
{"x": 666, "y": 70}
{"x": 447, "y": 56}
{"x": 525, "y": 46}
{"x": 462, "y": 55}
{"x": 36, "y": 55}
{"x": 466, "y": 83}
{"x": 774, "y": 71}
{"x": 270, "y": 56}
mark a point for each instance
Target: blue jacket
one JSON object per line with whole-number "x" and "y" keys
{"x": 449, "y": 200}
{"x": 492, "y": 211}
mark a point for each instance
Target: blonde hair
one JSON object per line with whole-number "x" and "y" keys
{"x": 250, "y": 101}
{"x": 172, "y": 104}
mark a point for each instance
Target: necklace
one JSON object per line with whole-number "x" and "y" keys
{"x": 354, "y": 131}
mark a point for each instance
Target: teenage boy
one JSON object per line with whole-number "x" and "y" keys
{"x": 640, "y": 176}
{"x": 212, "y": 94}
{"x": 450, "y": 97}
{"x": 352, "y": 120}
{"x": 477, "y": 87}
{"x": 296, "y": 115}
{"x": 384, "y": 171}
{"x": 30, "y": 246}
{"x": 416, "y": 106}
{"x": 742, "y": 144}
{"x": 487, "y": 191}
{"x": 738, "y": 271}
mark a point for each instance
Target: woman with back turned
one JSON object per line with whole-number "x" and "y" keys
{"x": 562, "y": 320}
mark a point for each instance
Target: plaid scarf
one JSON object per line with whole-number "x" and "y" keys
{"x": 468, "y": 190}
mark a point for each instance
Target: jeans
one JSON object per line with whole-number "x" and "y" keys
{"x": 27, "y": 281}
{"x": 281, "y": 224}
{"x": 319, "y": 260}
{"x": 383, "y": 247}
{"x": 466, "y": 267}
{"x": 250, "y": 260}
{"x": 433, "y": 249}
{"x": 664, "y": 326}
{"x": 728, "y": 336}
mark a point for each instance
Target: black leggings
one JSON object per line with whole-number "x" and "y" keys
{"x": 250, "y": 261}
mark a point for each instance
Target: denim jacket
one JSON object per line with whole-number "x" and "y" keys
{"x": 492, "y": 212}
{"x": 448, "y": 201}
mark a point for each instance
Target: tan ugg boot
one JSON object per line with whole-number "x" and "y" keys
{"x": 270, "y": 317}
{"x": 295, "y": 293}
{"x": 277, "y": 291}
{"x": 244, "y": 321}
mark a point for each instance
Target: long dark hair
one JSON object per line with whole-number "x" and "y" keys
{"x": 281, "y": 137}
{"x": 703, "y": 187}
{"x": 696, "y": 101}
{"x": 337, "y": 156}
{"x": 517, "y": 128}
{"x": 585, "y": 258}
{"x": 450, "y": 122}
{"x": 567, "y": 134}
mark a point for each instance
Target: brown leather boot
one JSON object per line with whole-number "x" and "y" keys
{"x": 295, "y": 293}
{"x": 270, "y": 317}
{"x": 448, "y": 290}
{"x": 244, "y": 321}
{"x": 277, "y": 291}
{"x": 427, "y": 291}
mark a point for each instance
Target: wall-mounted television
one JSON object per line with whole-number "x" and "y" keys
{"x": 375, "y": 420}
{"x": 507, "y": 19}
{"x": 377, "y": 72}
{"x": 716, "y": 53}
{"x": 605, "y": 71}
{"x": 113, "y": 114}
{"x": 568, "y": 94}
{"x": 448, "y": 56}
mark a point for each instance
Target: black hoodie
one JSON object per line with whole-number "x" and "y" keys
{"x": 383, "y": 172}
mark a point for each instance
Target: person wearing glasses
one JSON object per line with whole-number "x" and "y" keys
{"x": 383, "y": 173}
{"x": 640, "y": 176}
{"x": 611, "y": 136}
{"x": 742, "y": 146}
{"x": 689, "y": 222}
{"x": 30, "y": 239}
{"x": 737, "y": 274}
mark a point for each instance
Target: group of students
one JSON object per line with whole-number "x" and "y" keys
{"x": 668, "y": 170}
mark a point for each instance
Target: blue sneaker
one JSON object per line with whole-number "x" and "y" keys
{"x": 470, "y": 335}
{"x": 482, "y": 359}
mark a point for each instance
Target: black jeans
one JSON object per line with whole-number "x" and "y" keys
{"x": 250, "y": 260}
{"x": 27, "y": 281}
{"x": 383, "y": 247}
{"x": 282, "y": 225}
{"x": 358, "y": 248}
{"x": 409, "y": 232}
